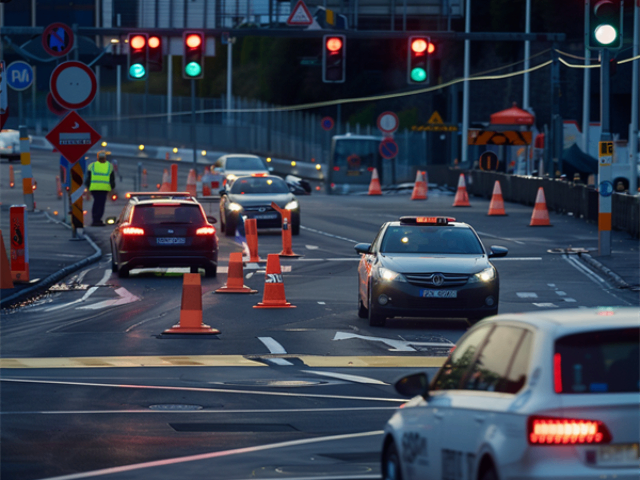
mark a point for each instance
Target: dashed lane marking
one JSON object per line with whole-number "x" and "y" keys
{"x": 527, "y": 295}
{"x": 546, "y": 305}
{"x": 328, "y": 234}
{"x": 501, "y": 238}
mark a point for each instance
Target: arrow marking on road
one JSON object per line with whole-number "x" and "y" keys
{"x": 397, "y": 345}
{"x": 125, "y": 297}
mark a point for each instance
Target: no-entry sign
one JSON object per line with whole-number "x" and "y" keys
{"x": 73, "y": 85}
{"x": 388, "y": 122}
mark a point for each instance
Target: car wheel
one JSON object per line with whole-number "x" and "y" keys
{"x": 210, "y": 272}
{"x": 114, "y": 266}
{"x": 295, "y": 229}
{"x": 123, "y": 272}
{"x": 362, "y": 310}
{"x": 375, "y": 319}
{"x": 391, "y": 469}
{"x": 229, "y": 228}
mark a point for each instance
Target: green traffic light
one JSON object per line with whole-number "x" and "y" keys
{"x": 137, "y": 70}
{"x": 418, "y": 74}
{"x": 193, "y": 69}
{"x": 605, "y": 34}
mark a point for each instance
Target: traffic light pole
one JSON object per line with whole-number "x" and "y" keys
{"x": 193, "y": 123}
{"x": 605, "y": 159}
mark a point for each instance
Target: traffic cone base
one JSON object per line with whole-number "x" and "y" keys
{"x": 374, "y": 186}
{"x": 191, "y": 308}
{"x": 5, "y": 269}
{"x": 496, "y": 207}
{"x": 235, "y": 277}
{"x": 274, "y": 296}
{"x": 420, "y": 187}
{"x": 540, "y": 215}
{"x": 166, "y": 181}
{"x": 462, "y": 197}
{"x": 192, "y": 187}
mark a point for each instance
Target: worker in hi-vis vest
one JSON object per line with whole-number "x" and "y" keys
{"x": 101, "y": 179}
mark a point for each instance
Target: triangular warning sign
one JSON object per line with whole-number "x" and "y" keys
{"x": 435, "y": 118}
{"x": 300, "y": 15}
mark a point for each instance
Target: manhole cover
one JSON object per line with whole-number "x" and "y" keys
{"x": 175, "y": 407}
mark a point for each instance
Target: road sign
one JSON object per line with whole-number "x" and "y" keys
{"x": 54, "y": 107}
{"x": 73, "y": 137}
{"x": 490, "y": 137}
{"x": 73, "y": 85}
{"x": 300, "y": 15}
{"x": 57, "y": 39}
{"x": 605, "y": 153}
{"x": 388, "y": 122}
{"x": 488, "y": 161}
{"x": 388, "y": 148}
{"x": 327, "y": 123}
{"x": 19, "y": 75}
{"x": 606, "y": 188}
{"x": 435, "y": 118}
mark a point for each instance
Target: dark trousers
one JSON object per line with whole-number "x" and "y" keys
{"x": 99, "y": 199}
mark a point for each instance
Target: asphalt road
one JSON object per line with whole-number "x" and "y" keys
{"x": 89, "y": 382}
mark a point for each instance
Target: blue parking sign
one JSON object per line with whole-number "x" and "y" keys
{"x": 19, "y": 75}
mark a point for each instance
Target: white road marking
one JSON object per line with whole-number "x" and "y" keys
{"x": 272, "y": 345}
{"x": 125, "y": 297}
{"x": 321, "y": 303}
{"x": 312, "y": 247}
{"x": 527, "y": 294}
{"x": 328, "y": 234}
{"x": 88, "y": 293}
{"x": 248, "y": 275}
{"x": 279, "y": 361}
{"x": 225, "y": 453}
{"x": 515, "y": 259}
{"x": 83, "y": 274}
{"x": 561, "y": 293}
{"x": 545, "y": 305}
{"x": 595, "y": 278}
{"x": 500, "y": 238}
{"x": 570, "y": 300}
{"x": 349, "y": 378}
{"x": 551, "y": 284}
{"x": 397, "y": 345}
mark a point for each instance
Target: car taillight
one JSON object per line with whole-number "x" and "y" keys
{"x": 205, "y": 231}
{"x": 557, "y": 373}
{"x": 566, "y": 431}
{"x": 132, "y": 231}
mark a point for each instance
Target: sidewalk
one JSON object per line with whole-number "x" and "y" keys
{"x": 52, "y": 254}
{"x": 622, "y": 267}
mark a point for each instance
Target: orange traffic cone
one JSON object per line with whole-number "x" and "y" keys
{"x": 273, "y": 287}
{"x": 235, "y": 277}
{"x": 540, "y": 215}
{"x": 374, "y": 186}
{"x": 166, "y": 181}
{"x": 5, "y": 268}
{"x": 462, "y": 198}
{"x": 191, "y": 308}
{"x": 496, "y": 207}
{"x": 286, "y": 231}
{"x": 58, "y": 186}
{"x": 12, "y": 180}
{"x": 420, "y": 187}
{"x": 191, "y": 183}
{"x": 251, "y": 234}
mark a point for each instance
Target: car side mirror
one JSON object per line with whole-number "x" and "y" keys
{"x": 112, "y": 220}
{"x": 413, "y": 385}
{"x": 498, "y": 251}
{"x": 363, "y": 248}
{"x": 211, "y": 219}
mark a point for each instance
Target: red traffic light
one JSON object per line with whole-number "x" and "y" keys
{"x": 154, "y": 42}
{"x": 419, "y": 45}
{"x": 137, "y": 42}
{"x": 334, "y": 44}
{"x": 193, "y": 40}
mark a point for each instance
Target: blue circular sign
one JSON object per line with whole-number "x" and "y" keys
{"x": 606, "y": 188}
{"x": 327, "y": 123}
{"x": 19, "y": 75}
{"x": 388, "y": 148}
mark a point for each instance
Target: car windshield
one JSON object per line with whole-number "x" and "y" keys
{"x": 430, "y": 240}
{"x": 244, "y": 163}
{"x": 155, "y": 214}
{"x": 252, "y": 185}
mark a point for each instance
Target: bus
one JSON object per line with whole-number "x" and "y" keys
{"x": 353, "y": 158}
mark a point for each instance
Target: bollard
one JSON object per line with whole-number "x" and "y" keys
{"x": 27, "y": 173}
{"x": 12, "y": 181}
{"x": 174, "y": 178}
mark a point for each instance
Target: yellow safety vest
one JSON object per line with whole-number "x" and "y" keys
{"x": 100, "y": 176}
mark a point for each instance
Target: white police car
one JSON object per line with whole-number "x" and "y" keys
{"x": 551, "y": 395}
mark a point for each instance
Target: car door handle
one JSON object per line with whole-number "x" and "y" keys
{"x": 438, "y": 415}
{"x": 480, "y": 418}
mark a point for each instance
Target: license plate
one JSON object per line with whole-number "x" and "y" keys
{"x": 353, "y": 173}
{"x": 439, "y": 293}
{"x": 610, "y": 455}
{"x": 171, "y": 241}
{"x": 266, "y": 216}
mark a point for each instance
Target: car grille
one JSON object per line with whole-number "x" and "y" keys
{"x": 265, "y": 208}
{"x": 426, "y": 279}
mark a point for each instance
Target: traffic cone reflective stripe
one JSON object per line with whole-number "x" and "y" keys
{"x": 496, "y": 207}
{"x": 251, "y": 234}
{"x": 462, "y": 197}
{"x": 191, "y": 308}
{"x": 273, "y": 296}
{"x": 420, "y": 187}
{"x": 191, "y": 183}
{"x": 540, "y": 215}
{"x": 374, "y": 186}
{"x": 166, "y": 181}
{"x": 5, "y": 268}
{"x": 235, "y": 276}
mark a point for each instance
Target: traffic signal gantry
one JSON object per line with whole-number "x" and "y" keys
{"x": 137, "y": 59}
{"x": 334, "y": 56}
{"x": 419, "y": 50}
{"x": 605, "y": 24}
{"x": 193, "y": 55}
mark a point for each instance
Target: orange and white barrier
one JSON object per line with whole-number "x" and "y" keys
{"x": 273, "y": 296}
{"x": 166, "y": 181}
{"x": 496, "y": 207}
{"x": 191, "y": 308}
{"x": 251, "y": 234}
{"x": 19, "y": 243}
{"x": 191, "y": 183}
{"x": 462, "y": 197}
{"x": 287, "y": 250}
{"x": 540, "y": 215}
{"x": 374, "y": 186}
{"x": 5, "y": 269}
{"x": 420, "y": 187}
{"x": 235, "y": 276}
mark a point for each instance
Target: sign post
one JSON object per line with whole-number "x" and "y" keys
{"x": 605, "y": 158}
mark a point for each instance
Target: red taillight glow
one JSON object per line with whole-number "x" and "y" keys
{"x": 128, "y": 195}
{"x": 114, "y": 197}
{"x": 370, "y": 169}
{"x": 557, "y": 373}
{"x": 206, "y": 231}
{"x": 132, "y": 231}
{"x": 566, "y": 431}
{"x": 336, "y": 169}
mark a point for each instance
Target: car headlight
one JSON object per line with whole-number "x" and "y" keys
{"x": 235, "y": 207}
{"x": 486, "y": 275}
{"x": 292, "y": 205}
{"x": 389, "y": 275}
{"x": 231, "y": 177}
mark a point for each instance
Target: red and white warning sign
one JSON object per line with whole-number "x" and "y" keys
{"x": 300, "y": 15}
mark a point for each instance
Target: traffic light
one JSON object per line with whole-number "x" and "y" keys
{"x": 193, "y": 56}
{"x": 155, "y": 53}
{"x": 138, "y": 56}
{"x": 334, "y": 56}
{"x": 605, "y": 24}
{"x": 419, "y": 49}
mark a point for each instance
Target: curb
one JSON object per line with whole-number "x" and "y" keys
{"x": 613, "y": 276}
{"x": 54, "y": 277}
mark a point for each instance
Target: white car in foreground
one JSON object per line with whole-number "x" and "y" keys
{"x": 549, "y": 395}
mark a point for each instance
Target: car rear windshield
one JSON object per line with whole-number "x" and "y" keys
{"x": 249, "y": 185}
{"x": 604, "y": 361}
{"x": 430, "y": 240}
{"x": 244, "y": 163}
{"x": 172, "y": 213}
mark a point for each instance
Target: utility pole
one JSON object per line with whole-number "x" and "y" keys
{"x": 556, "y": 121}
{"x": 527, "y": 54}
{"x": 605, "y": 157}
{"x": 465, "y": 92}
{"x": 229, "y": 77}
{"x": 633, "y": 129}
